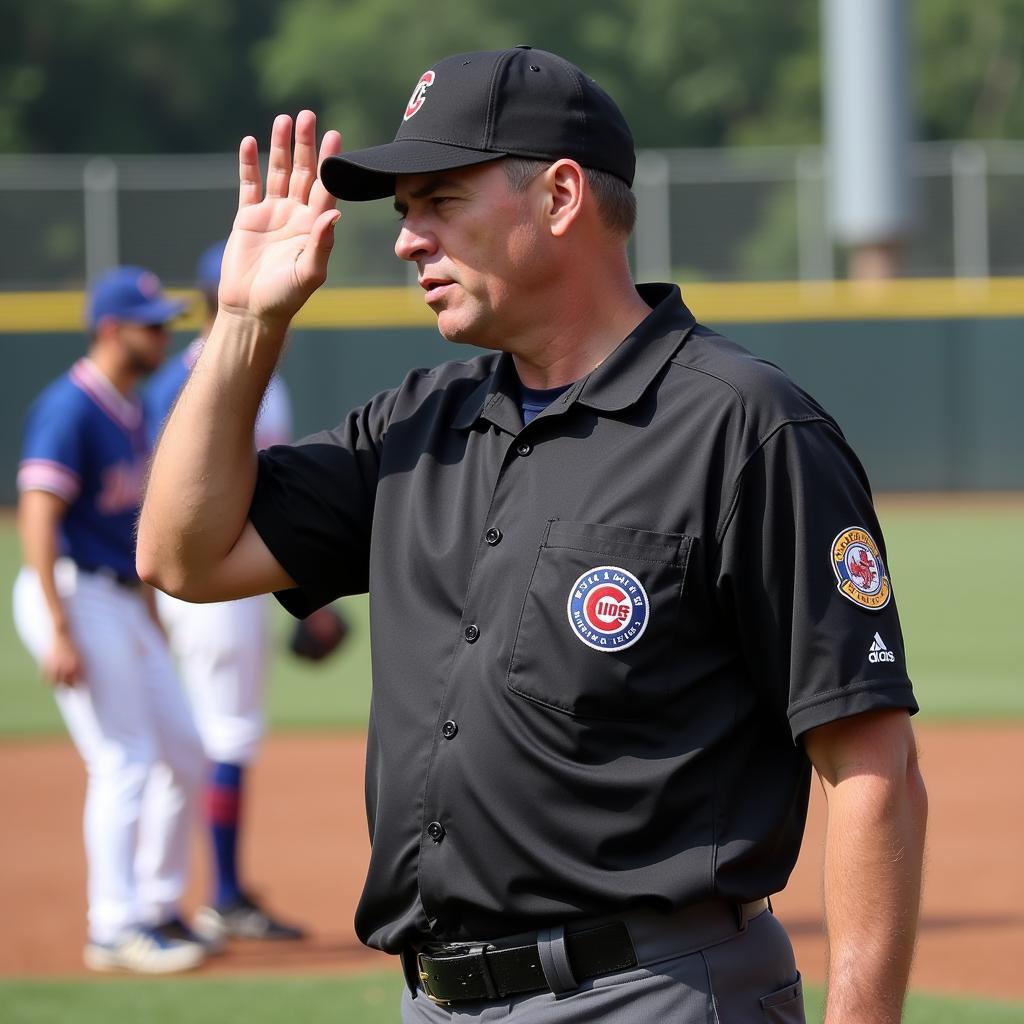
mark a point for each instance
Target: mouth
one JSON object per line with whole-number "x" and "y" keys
{"x": 435, "y": 288}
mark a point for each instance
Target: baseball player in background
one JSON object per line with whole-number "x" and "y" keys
{"x": 83, "y": 613}
{"x": 222, "y": 651}
{"x": 625, "y": 580}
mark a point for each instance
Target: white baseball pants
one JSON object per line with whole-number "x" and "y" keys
{"x": 132, "y": 727}
{"x": 222, "y": 652}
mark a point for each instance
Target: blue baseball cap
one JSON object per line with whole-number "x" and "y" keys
{"x": 132, "y": 294}
{"x": 208, "y": 267}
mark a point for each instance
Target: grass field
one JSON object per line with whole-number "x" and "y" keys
{"x": 956, "y": 567}
{"x": 367, "y": 999}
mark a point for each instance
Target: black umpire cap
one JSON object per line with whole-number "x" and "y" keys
{"x": 475, "y": 107}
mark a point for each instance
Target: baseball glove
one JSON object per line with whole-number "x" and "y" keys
{"x": 318, "y": 635}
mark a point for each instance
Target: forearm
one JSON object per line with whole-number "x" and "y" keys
{"x": 873, "y": 862}
{"x": 40, "y": 544}
{"x": 194, "y": 537}
{"x": 204, "y": 469}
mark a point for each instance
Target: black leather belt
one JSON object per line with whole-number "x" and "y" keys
{"x": 558, "y": 959}
{"x": 120, "y": 578}
{"x": 456, "y": 973}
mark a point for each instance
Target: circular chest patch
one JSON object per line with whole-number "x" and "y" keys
{"x": 859, "y": 570}
{"x": 608, "y": 609}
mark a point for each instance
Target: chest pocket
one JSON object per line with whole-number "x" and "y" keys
{"x": 597, "y": 637}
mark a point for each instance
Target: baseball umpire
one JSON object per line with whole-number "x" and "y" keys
{"x": 83, "y": 613}
{"x": 625, "y": 579}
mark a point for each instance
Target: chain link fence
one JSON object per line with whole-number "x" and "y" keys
{"x": 715, "y": 215}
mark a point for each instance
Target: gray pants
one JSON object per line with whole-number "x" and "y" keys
{"x": 747, "y": 978}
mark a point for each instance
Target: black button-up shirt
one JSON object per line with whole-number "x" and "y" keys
{"x": 690, "y": 575}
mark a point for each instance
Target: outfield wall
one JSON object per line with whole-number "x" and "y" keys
{"x": 924, "y": 377}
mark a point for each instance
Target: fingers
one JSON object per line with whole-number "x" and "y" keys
{"x": 62, "y": 673}
{"x": 279, "y": 170}
{"x": 295, "y": 177}
{"x": 304, "y": 168}
{"x": 250, "y": 187}
{"x": 319, "y": 197}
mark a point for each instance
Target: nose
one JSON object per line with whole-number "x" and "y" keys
{"x": 413, "y": 244}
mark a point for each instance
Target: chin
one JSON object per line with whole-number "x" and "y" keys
{"x": 460, "y": 330}
{"x": 455, "y": 329}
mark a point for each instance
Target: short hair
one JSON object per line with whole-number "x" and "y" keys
{"x": 616, "y": 204}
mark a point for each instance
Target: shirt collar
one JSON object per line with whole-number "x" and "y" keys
{"x": 124, "y": 410}
{"x": 616, "y": 384}
{"x": 627, "y": 373}
{"x": 495, "y": 398}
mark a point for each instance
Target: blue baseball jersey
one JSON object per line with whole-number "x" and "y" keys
{"x": 163, "y": 387}
{"x": 88, "y": 444}
{"x": 273, "y": 424}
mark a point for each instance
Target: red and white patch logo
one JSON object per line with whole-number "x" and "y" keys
{"x": 419, "y": 94}
{"x": 860, "y": 573}
{"x": 608, "y": 608}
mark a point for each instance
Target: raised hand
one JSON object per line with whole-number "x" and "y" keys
{"x": 277, "y": 254}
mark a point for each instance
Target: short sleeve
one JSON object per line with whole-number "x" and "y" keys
{"x": 52, "y": 457}
{"x": 804, "y": 578}
{"x": 313, "y": 507}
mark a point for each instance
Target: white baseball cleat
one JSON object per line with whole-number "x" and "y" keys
{"x": 144, "y": 951}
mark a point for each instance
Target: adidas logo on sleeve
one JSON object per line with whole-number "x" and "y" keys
{"x": 879, "y": 652}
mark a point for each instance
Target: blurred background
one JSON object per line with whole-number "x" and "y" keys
{"x": 836, "y": 184}
{"x": 119, "y": 124}
{"x": 787, "y": 154}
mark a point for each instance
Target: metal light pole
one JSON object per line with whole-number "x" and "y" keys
{"x": 867, "y": 128}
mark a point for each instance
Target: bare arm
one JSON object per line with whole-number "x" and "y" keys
{"x": 39, "y": 517}
{"x": 877, "y": 809}
{"x": 195, "y": 540}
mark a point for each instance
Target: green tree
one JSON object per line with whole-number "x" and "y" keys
{"x": 969, "y": 69}
{"x": 95, "y": 76}
{"x": 687, "y": 73}
{"x": 196, "y": 75}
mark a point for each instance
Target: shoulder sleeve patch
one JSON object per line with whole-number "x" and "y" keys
{"x": 860, "y": 573}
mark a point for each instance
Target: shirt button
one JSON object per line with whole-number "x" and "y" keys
{"x": 436, "y": 831}
{"x": 449, "y": 729}
{"x": 493, "y": 536}
{"x": 523, "y": 448}
{"x": 472, "y": 633}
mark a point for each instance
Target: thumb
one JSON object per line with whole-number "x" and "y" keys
{"x": 312, "y": 262}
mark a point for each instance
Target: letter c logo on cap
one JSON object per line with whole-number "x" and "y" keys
{"x": 419, "y": 94}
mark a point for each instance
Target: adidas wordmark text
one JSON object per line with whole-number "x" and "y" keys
{"x": 879, "y": 652}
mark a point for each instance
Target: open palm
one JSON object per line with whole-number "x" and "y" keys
{"x": 277, "y": 254}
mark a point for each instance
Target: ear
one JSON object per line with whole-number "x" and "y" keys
{"x": 106, "y": 327}
{"x": 566, "y": 186}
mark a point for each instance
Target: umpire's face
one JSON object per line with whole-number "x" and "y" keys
{"x": 480, "y": 250}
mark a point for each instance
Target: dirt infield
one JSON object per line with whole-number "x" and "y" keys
{"x": 308, "y": 851}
